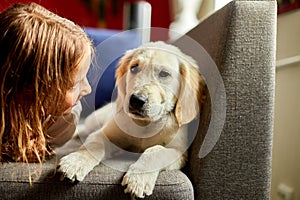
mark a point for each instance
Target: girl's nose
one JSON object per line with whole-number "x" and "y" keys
{"x": 85, "y": 87}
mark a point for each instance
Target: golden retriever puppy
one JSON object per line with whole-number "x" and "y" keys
{"x": 159, "y": 93}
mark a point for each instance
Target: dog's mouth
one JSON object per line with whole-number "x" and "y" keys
{"x": 139, "y": 118}
{"x": 138, "y": 114}
{"x": 151, "y": 114}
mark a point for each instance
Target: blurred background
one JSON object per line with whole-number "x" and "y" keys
{"x": 111, "y": 14}
{"x": 183, "y": 15}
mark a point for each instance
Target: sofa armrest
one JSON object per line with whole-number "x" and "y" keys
{"x": 241, "y": 40}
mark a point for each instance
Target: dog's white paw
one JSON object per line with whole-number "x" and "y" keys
{"x": 77, "y": 165}
{"x": 139, "y": 183}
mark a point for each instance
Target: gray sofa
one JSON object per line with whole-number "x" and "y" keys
{"x": 241, "y": 40}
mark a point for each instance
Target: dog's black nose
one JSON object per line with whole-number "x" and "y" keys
{"x": 137, "y": 101}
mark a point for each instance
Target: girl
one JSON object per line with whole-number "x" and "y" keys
{"x": 44, "y": 60}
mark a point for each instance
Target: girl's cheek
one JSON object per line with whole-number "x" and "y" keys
{"x": 70, "y": 99}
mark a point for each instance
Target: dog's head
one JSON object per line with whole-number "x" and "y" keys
{"x": 156, "y": 80}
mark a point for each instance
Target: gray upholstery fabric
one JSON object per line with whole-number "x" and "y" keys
{"x": 241, "y": 40}
{"x": 102, "y": 183}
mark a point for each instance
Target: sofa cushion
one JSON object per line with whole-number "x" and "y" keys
{"x": 102, "y": 183}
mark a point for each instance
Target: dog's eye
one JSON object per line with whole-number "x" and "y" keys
{"x": 164, "y": 74}
{"x": 134, "y": 69}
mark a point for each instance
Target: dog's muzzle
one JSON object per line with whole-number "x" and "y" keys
{"x": 137, "y": 104}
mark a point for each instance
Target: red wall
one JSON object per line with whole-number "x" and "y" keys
{"x": 74, "y": 10}
{"x": 78, "y": 11}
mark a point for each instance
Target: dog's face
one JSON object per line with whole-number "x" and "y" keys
{"x": 156, "y": 80}
{"x": 152, "y": 84}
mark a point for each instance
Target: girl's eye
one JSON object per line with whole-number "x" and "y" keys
{"x": 78, "y": 83}
{"x": 134, "y": 69}
{"x": 164, "y": 74}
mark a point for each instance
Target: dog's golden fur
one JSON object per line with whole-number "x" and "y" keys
{"x": 159, "y": 93}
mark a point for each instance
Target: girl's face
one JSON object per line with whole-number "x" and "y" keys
{"x": 81, "y": 85}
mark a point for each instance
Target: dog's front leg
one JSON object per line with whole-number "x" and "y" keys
{"x": 141, "y": 176}
{"x": 77, "y": 165}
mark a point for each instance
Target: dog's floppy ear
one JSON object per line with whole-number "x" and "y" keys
{"x": 191, "y": 90}
{"x": 120, "y": 76}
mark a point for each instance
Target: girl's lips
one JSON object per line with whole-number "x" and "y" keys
{"x": 77, "y": 102}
